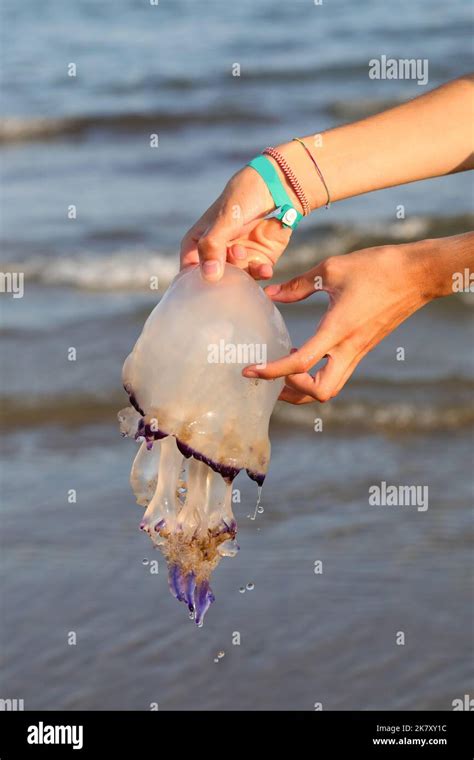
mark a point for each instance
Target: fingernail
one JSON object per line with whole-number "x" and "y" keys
{"x": 239, "y": 252}
{"x": 211, "y": 269}
{"x": 265, "y": 271}
{"x": 272, "y": 290}
{"x": 249, "y": 373}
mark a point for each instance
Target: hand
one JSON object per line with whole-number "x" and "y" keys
{"x": 234, "y": 229}
{"x": 370, "y": 293}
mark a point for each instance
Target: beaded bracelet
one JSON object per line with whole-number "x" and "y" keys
{"x": 291, "y": 177}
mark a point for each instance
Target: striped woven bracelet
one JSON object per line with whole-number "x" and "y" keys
{"x": 291, "y": 177}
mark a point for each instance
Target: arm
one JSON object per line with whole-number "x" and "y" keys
{"x": 370, "y": 292}
{"x": 426, "y": 137}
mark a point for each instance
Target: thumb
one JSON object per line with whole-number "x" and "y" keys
{"x": 297, "y": 289}
{"x": 212, "y": 246}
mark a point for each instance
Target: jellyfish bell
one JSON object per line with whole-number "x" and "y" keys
{"x": 199, "y": 421}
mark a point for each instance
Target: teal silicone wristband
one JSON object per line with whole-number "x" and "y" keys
{"x": 286, "y": 212}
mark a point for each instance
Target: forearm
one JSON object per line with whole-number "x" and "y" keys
{"x": 427, "y": 137}
{"x": 440, "y": 264}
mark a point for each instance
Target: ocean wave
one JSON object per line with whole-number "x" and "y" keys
{"x": 389, "y": 417}
{"x": 131, "y": 269}
{"x": 123, "y": 270}
{"x": 17, "y": 129}
{"x": 350, "y": 417}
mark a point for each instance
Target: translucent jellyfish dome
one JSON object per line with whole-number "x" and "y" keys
{"x": 199, "y": 421}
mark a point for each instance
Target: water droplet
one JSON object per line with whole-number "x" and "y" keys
{"x": 220, "y": 655}
{"x": 145, "y": 561}
{"x": 250, "y": 586}
{"x": 242, "y": 590}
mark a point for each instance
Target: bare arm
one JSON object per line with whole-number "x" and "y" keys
{"x": 429, "y": 136}
{"x": 425, "y": 137}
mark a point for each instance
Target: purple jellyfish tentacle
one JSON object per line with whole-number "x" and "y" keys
{"x": 203, "y": 598}
{"x": 177, "y": 583}
{"x": 189, "y": 590}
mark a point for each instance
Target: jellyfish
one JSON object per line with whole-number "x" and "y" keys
{"x": 199, "y": 422}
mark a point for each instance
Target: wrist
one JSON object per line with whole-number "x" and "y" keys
{"x": 434, "y": 262}
{"x": 305, "y": 171}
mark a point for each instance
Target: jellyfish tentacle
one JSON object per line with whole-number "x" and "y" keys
{"x": 190, "y": 518}
{"x": 227, "y": 513}
{"x": 143, "y": 477}
{"x": 129, "y": 420}
{"x": 203, "y": 598}
{"x": 162, "y": 509}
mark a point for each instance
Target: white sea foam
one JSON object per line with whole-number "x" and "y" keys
{"x": 123, "y": 270}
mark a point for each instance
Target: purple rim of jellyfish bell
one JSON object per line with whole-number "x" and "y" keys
{"x": 258, "y": 477}
{"x": 133, "y": 399}
{"x": 228, "y": 472}
{"x": 152, "y": 434}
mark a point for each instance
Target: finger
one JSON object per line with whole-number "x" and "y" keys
{"x": 266, "y": 241}
{"x": 237, "y": 253}
{"x": 323, "y": 386}
{"x": 213, "y": 245}
{"x": 328, "y": 378}
{"x": 296, "y": 289}
{"x": 295, "y": 397}
{"x": 262, "y": 242}
{"x": 298, "y": 361}
{"x": 349, "y": 371}
{"x": 270, "y": 234}
{"x": 260, "y": 271}
{"x": 189, "y": 252}
{"x": 189, "y": 245}
{"x": 259, "y": 268}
